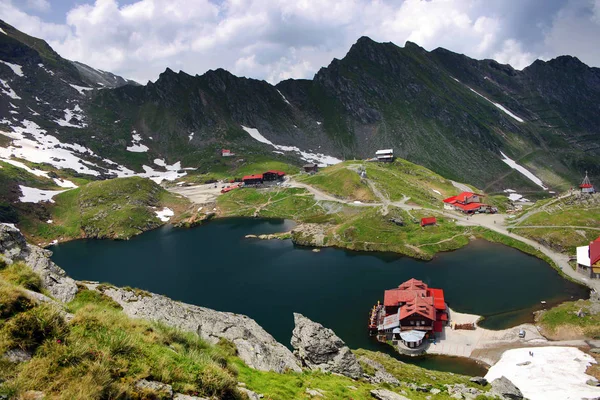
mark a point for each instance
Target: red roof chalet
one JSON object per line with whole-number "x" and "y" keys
{"x": 428, "y": 221}
{"x": 278, "y": 173}
{"x": 414, "y": 301}
{"x": 595, "y": 251}
{"x": 466, "y": 201}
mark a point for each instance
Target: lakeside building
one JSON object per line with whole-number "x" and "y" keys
{"x": 252, "y": 179}
{"x": 588, "y": 259}
{"x": 586, "y": 186}
{"x": 273, "y": 175}
{"x": 386, "y": 155}
{"x": 227, "y": 153}
{"x": 468, "y": 203}
{"x": 410, "y": 313}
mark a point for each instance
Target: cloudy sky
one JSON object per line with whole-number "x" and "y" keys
{"x": 280, "y": 39}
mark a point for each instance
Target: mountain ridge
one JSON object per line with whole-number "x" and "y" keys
{"x": 433, "y": 107}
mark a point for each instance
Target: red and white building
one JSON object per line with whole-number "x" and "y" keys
{"x": 466, "y": 202}
{"x": 227, "y": 153}
{"x": 586, "y": 186}
{"x": 588, "y": 259}
{"x": 410, "y": 313}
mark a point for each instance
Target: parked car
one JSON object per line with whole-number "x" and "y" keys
{"x": 521, "y": 333}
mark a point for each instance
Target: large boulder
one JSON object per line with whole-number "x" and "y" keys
{"x": 504, "y": 388}
{"x": 255, "y": 346}
{"x": 13, "y": 248}
{"x": 318, "y": 347}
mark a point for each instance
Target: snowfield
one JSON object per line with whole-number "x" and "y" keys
{"x": 318, "y": 158}
{"x": 33, "y": 195}
{"x": 16, "y": 68}
{"x": 553, "y": 373}
{"x": 513, "y": 164}
{"x": 165, "y": 214}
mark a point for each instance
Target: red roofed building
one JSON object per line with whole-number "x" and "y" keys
{"x": 588, "y": 259}
{"x": 227, "y": 153}
{"x": 467, "y": 202}
{"x": 252, "y": 179}
{"x": 586, "y": 186}
{"x": 410, "y": 313}
{"x": 428, "y": 221}
{"x": 273, "y": 175}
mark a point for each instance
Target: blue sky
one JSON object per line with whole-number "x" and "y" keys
{"x": 279, "y": 39}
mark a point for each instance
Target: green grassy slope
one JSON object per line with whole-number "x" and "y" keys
{"x": 581, "y": 212}
{"x": 116, "y": 208}
{"x": 100, "y": 353}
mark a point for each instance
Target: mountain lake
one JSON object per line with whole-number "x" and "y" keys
{"x": 215, "y": 266}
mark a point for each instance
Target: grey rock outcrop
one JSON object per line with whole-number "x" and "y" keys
{"x": 255, "y": 346}
{"x": 17, "y": 356}
{"x": 384, "y": 394}
{"x": 479, "y": 380}
{"x": 318, "y": 347}
{"x": 506, "y": 389}
{"x": 155, "y": 388}
{"x": 13, "y": 248}
{"x": 179, "y": 396}
{"x": 381, "y": 375}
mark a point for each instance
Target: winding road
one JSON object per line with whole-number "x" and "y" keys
{"x": 493, "y": 222}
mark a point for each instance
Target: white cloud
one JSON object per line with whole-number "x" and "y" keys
{"x": 280, "y": 39}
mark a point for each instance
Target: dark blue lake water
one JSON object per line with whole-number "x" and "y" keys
{"x": 215, "y": 266}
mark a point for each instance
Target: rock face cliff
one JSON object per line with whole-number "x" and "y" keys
{"x": 255, "y": 346}
{"x": 13, "y": 247}
{"x": 320, "y": 348}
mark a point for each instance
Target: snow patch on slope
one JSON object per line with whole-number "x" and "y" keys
{"x": 318, "y": 158}
{"x": 33, "y": 195}
{"x": 16, "y": 68}
{"x": 513, "y": 164}
{"x": 45, "y": 69}
{"x": 165, "y": 214}
{"x": 2, "y": 30}
{"x": 7, "y": 90}
{"x": 136, "y": 146}
{"x": 80, "y": 89}
{"x": 283, "y": 97}
{"x": 75, "y": 114}
{"x": 553, "y": 373}
{"x": 500, "y": 106}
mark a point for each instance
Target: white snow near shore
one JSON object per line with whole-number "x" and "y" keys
{"x": 80, "y": 89}
{"x": 500, "y": 106}
{"x": 165, "y": 214}
{"x": 509, "y": 191}
{"x": 513, "y": 164}
{"x": 318, "y": 158}
{"x": 33, "y": 195}
{"x": 554, "y": 373}
{"x": 16, "y": 68}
